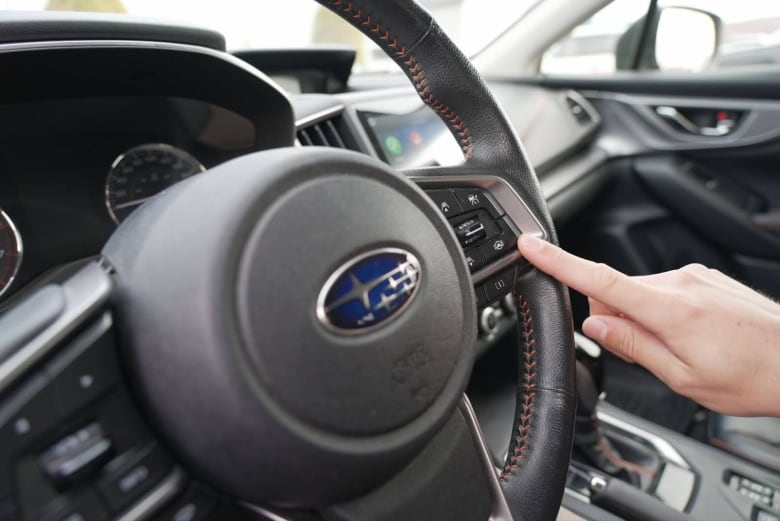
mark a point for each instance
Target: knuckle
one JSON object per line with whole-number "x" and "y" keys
{"x": 695, "y": 269}
{"x": 605, "y": 276}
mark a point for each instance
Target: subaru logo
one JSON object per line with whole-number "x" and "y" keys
{"x": 369, "y": 290}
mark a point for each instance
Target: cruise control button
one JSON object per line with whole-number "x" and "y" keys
{"x": 133, "y": 477}
{"x": 76, "y": 455}
{"x": 446, "y": 202}
{"x": 475, "y": 259}
{"x": 86, "y": 370}
{"x": 470, "y": 231}
{"x": 499, "y": 285}
{"x": 475, "y": 199}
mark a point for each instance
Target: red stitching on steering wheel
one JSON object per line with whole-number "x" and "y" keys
{"x": 415, "y": 71}
{"x": 526, "y": 398}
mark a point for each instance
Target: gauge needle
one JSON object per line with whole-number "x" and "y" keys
{"x": 134, "y": 202}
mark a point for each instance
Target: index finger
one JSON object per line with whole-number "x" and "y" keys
{"x": 597, "y": 281}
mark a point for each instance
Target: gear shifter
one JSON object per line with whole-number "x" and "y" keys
{"x": 590, "y": 444}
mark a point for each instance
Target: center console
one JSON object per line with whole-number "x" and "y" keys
{"x": 665, "y": 475}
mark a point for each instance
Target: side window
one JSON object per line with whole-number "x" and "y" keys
{"x": 680, "y": 36}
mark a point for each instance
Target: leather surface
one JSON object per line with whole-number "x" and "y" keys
{"x": 443, "y": 77}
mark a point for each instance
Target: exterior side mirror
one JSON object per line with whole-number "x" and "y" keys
{"x": 686, "y": 40}
{"x": 674, "y": 39}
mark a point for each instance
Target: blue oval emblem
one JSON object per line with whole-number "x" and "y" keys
{"x": 369, "y": 290}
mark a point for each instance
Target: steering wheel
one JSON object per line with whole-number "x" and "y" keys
{"x": 299, "y": 324}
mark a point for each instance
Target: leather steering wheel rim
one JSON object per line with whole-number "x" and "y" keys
{"x": 534, "y": 474}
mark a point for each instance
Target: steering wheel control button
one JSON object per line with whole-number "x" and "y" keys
{"x": 470, "y": 231}
{"x": 500, "y": 285}
{"x": 446, "y": 202}
{"x": 86, "y": 370}
{"x": 475, "y": 259}
{"x": 368, "y": 290}
{"x": 128, "y": 478}
{"x": 76, "y": 455}
{"x": 83, "y": 507}
{"x": 476, "y": 199}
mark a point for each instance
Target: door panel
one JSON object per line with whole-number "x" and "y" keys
{"x": 680, "y": 197}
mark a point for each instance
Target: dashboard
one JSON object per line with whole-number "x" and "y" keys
{"x": 95, "y": 128}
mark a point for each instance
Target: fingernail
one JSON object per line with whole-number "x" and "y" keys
{"x": 530, "y": 243}
{"x": 596, "y": 329}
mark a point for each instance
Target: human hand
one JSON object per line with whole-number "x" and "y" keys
{"x": 702, "y": 333}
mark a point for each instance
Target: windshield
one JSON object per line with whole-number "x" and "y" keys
{"x": 260, "y": 24}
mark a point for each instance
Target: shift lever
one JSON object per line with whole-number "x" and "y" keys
{"x": 589, "y": 442}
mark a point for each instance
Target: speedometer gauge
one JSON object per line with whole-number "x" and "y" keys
{"x": 10, "y": 251}
{"x": 144, "y": 171}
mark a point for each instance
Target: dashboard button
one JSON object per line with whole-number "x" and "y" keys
{"x": 476, "y": 199}
{"x": 500, "y": 285}
{"x": 86, "y": 370}
{"x": 84, "y": 507}
{"x": 134, "y": 476}
{"x": 475, "y": 259}
{"x": 76, "y": 455}
{"x": 446, "y": 202}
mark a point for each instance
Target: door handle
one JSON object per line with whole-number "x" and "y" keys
{"x": 723, "y": 126}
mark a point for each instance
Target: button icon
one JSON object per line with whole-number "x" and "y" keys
{"x": 394, "y": 145}
{"x": 499, "y": 245}
{"x": 499, "y": 284}
{"x": 471, "y": 262}
{"x": 473, "y": 199}
{"x": 445, "y": 207}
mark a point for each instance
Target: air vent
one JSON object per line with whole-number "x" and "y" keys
{"x": 329, "y": 132}
{"x": 578, "y": 110}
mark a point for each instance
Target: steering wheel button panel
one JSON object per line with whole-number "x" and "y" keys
{"x": 130, "y": 477}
